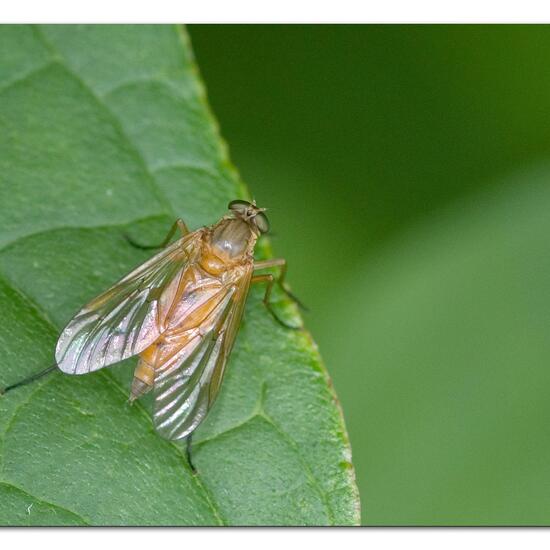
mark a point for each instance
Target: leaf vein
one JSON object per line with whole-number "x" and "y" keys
{"x": 11, "y": 485}
{"x": 208, "y": 497}
{"x": 22, "y": 77}
{"x": 131, "y": 147}
{"x": 21, "y": 238}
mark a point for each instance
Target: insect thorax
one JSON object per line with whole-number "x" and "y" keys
{"x": 232, "y": 240}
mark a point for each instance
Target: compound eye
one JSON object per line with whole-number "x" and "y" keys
{"x": 239, "y": 206}
{"x": 262, "y": 223}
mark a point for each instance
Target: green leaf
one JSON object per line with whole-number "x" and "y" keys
{"x": 105, "y": 131}
{"x": 449, "y": 402}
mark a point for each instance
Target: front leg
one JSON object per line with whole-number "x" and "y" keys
{"x": 270, "y": 280}
{"x": 282, "y": 265}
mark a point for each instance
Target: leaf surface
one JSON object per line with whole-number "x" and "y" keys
{"x": 106, "y": 132}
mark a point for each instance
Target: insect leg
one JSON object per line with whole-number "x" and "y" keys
{"x": 188, "y": 452}
{"x": 28, "y": 380}
{"x": 282, "y": 265}
{"x": 178, "y": 224}
{"x": 270, "y": 280}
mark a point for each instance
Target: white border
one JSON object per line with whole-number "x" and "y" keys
{"x": 280, "y": 11}
{"x": 267, "y": 539}
{"x": 343, "y": 11}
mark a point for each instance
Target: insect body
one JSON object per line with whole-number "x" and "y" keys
{"x": 180, "y": 312}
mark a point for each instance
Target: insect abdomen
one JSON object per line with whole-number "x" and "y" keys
{"x": 144, "y": 378}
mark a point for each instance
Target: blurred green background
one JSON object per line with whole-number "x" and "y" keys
{"x": 407, "y": 173}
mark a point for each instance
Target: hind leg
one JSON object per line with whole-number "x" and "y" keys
{"x": 188, "y": 453}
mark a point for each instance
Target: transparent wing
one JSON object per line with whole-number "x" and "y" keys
{"x": 187, "y": 385}
{"x": 124, "y": 320}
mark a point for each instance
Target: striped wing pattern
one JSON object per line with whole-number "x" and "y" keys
{"x": 122, "y": 321}
{"x": 186, "y": 386}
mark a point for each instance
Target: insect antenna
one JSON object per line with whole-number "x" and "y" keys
{"x": 28, "y": 380}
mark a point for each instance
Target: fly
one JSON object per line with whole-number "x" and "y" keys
{"x": 179, "y": 312}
